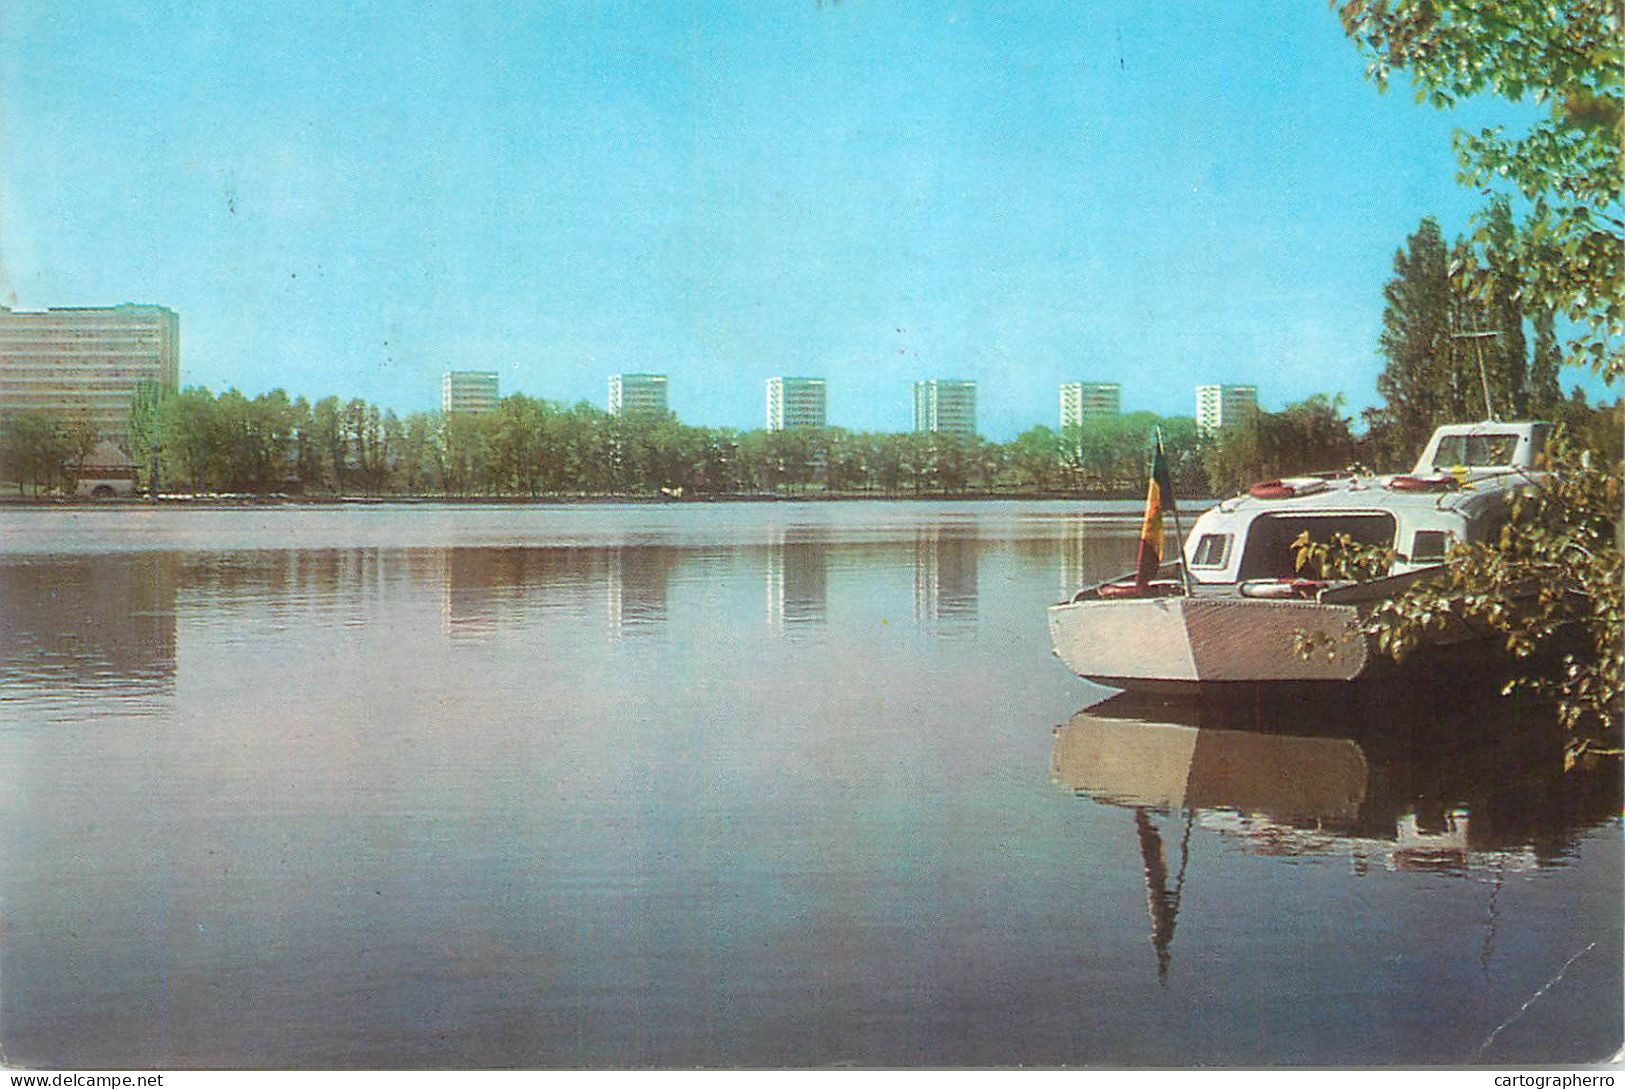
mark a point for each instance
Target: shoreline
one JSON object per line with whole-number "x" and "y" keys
{"x": 246, "y": 502}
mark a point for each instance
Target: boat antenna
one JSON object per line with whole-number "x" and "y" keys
{"x": 1478, "y": 337}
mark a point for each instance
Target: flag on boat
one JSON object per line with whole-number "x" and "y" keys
{"x": 1159, "y": 496}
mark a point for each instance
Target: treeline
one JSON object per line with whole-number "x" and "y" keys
{"x": 270, "y": 444}
{"x": 528, "y": 447}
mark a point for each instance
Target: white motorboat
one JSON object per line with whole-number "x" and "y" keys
{"x": 1235, "y": 609}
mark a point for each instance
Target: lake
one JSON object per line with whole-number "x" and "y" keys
{"x": 736, "y": 785}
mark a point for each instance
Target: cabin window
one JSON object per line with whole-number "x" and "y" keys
{"x": 1475, "y": 450}
{"x": 1430, "y": 545}
{"x": 1212, "y": 550}
{"x": 1268, "y": 554}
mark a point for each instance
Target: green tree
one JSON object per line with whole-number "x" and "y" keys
{"x": 519, "y": 444}
{"x": 1419, "y": 383}
{"x": 1550, "y": 587}
{"x": 34, "y": 448}
{"x": 329, "y": 450}
{"x": 585, "y": 450}
{"x": 1035, "y": 458}
{"x": 1307, "y": 437}
{"x": 1568, "y": 57}
{"x": 845, "y": 462}
{"x": 1557, "y": 568}
{"x": 80, "y": 437}
{"x": 146, "y": 425}
{"x": 368, "y": 435}
{"x": 421, "y": 465}
{"x": 1506, "y": 357}
{"x": 194, "y": 442}
{"x": 1544, "y": 391}
{"x": 1446, "y": 347}
{"x": 1182, "y": 448}
{"x": 468, "y": 464}
{"x": 306, "y": 467}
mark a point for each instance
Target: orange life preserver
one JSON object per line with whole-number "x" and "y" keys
{"x": 1272, "y": 489}
{"x": 1424, "y": 483}
{"x": 1158, "y": 588}
{"x": 1280, "y": 588}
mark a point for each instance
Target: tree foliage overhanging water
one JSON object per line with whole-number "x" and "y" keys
{"x": 1561, "y": 258}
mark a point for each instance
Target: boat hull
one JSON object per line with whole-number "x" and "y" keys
{"x": 1175, "y": 643}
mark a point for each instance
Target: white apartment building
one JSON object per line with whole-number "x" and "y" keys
{"x": 795, "y": 402}
{"x": 1219, "y": 407}
{"x": 469, "y": 391}
{"x": 1082, "y": 401}
{"x": 945, "y": 406}
{"x": 637, "y": 395}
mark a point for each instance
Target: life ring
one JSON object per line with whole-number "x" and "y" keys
{"x": 1157, "y": 588}
{"x": 1279, "y": 589}
{"x": 1424, "y": 484}
{"x": 1288, "y": 488}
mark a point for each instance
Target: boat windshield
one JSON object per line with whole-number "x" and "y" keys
{"x": 1269, "y": 553}
{"x": 1470, "y": 450}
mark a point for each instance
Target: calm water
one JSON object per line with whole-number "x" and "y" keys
{"x": 734, "y": 785}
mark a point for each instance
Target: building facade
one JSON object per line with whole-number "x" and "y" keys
{"x": 1219, "y": 407}
{"x": 1082, "y": 401}
{"x": 637, "y": 395}
{"x": 945, "y": 406}
{"x": 795, "y": 402}
{"x": 469, "y": 391}
{"x": 87, "y": 361}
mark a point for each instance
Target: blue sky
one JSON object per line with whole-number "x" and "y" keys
{"x": 351, "y": 199}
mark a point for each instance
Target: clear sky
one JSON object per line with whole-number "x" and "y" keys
{"x": 353, "y": 198}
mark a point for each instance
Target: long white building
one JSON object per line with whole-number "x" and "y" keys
{"x": 87, "y": 360}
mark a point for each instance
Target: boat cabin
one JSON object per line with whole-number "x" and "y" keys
{"x": 1460, "y": 490}
{"x": 1483, "y": 449}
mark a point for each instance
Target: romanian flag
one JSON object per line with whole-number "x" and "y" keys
{"x": 1159, "y": 496}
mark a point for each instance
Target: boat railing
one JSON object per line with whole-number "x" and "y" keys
{"x": 1169, "y": 581}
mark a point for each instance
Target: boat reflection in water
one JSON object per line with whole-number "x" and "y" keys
{"x": 1471, "y": 789}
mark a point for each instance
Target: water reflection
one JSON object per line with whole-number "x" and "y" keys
{"x": 636, "y": 582}
{"x": 1080, "y": 564}
{"x": 90, "y": 622}
{"x": 1466, "y": 789}
{"x": 1161, "y": 895}
{"x": 945, "y": 569}
{"x": 1078, "y": 551}
{"x": 797, "y": 575}
{"x": 418, "y": 805}
{"x": 480, "y": 588}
